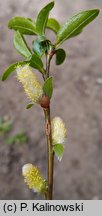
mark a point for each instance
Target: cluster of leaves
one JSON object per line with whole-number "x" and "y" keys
{"x": 6, "y": 127}
{"x": 41, "y": 45}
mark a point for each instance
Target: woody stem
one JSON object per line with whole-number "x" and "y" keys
{"x": 50, "y": 153}
{"x": 49, "y": 137}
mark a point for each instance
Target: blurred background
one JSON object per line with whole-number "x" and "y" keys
{"x": 77, "y": 99}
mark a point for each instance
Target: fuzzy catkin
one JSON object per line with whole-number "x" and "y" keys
{"x": 31, "y": 84}
{"x": 33, "y": 178}
{"x": 58, "y": 131}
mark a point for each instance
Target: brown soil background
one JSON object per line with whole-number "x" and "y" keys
{"x": 77, "y": 99}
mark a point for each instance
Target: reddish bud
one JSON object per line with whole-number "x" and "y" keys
{"x": 45, "y": 101}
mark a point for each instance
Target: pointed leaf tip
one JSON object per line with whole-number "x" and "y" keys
{"x": 11, "y": 69}
{"x": 43, "y": 17}
{"x": 30, "y": 105}
{"x": 59, "y": 151}
{"x": 75, "y": 24}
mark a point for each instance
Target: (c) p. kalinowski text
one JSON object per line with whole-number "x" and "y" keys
{"x": 51, "y": 207}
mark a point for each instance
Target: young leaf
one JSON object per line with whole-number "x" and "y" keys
{"x": 36, "y": 63}
{"x": 53, "y": 24}
{"x": 59, "y": 150}
{"x": 60, "y": 56}
{"x": 75, "y": 24}
{"x": 23, "y": 25}
{"x": 43, "y": 17}
{"x": 39, "y": 46}
{"x": 48, "y": 87}
{"x": 10, "y": 69}
{"x": 21, "y": 45}
{"x": 30, "y": 105}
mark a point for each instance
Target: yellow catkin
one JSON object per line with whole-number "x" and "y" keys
{"x": 33, "y": 178}
{"x": 31, "y": 84}
{"x": 58, "y": 131}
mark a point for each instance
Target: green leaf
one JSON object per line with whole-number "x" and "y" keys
{"x": 21, "y": 45}
{"x": 75, "y": 24}
{"x": 23, "y": 25}
{"x": 40, "y": 45}
{"x": 59, "y": 150}
{"x": 48, "y": 87}
{"x": 43, "y": 17}
{"x": 36, "y": 63}
{"x": 11, "y": 69}
{"x": 74, "y": 35}
{"x": 60, "y": 56}
{"x": 30, "y": 105}
{"x": 53, "y": 24}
